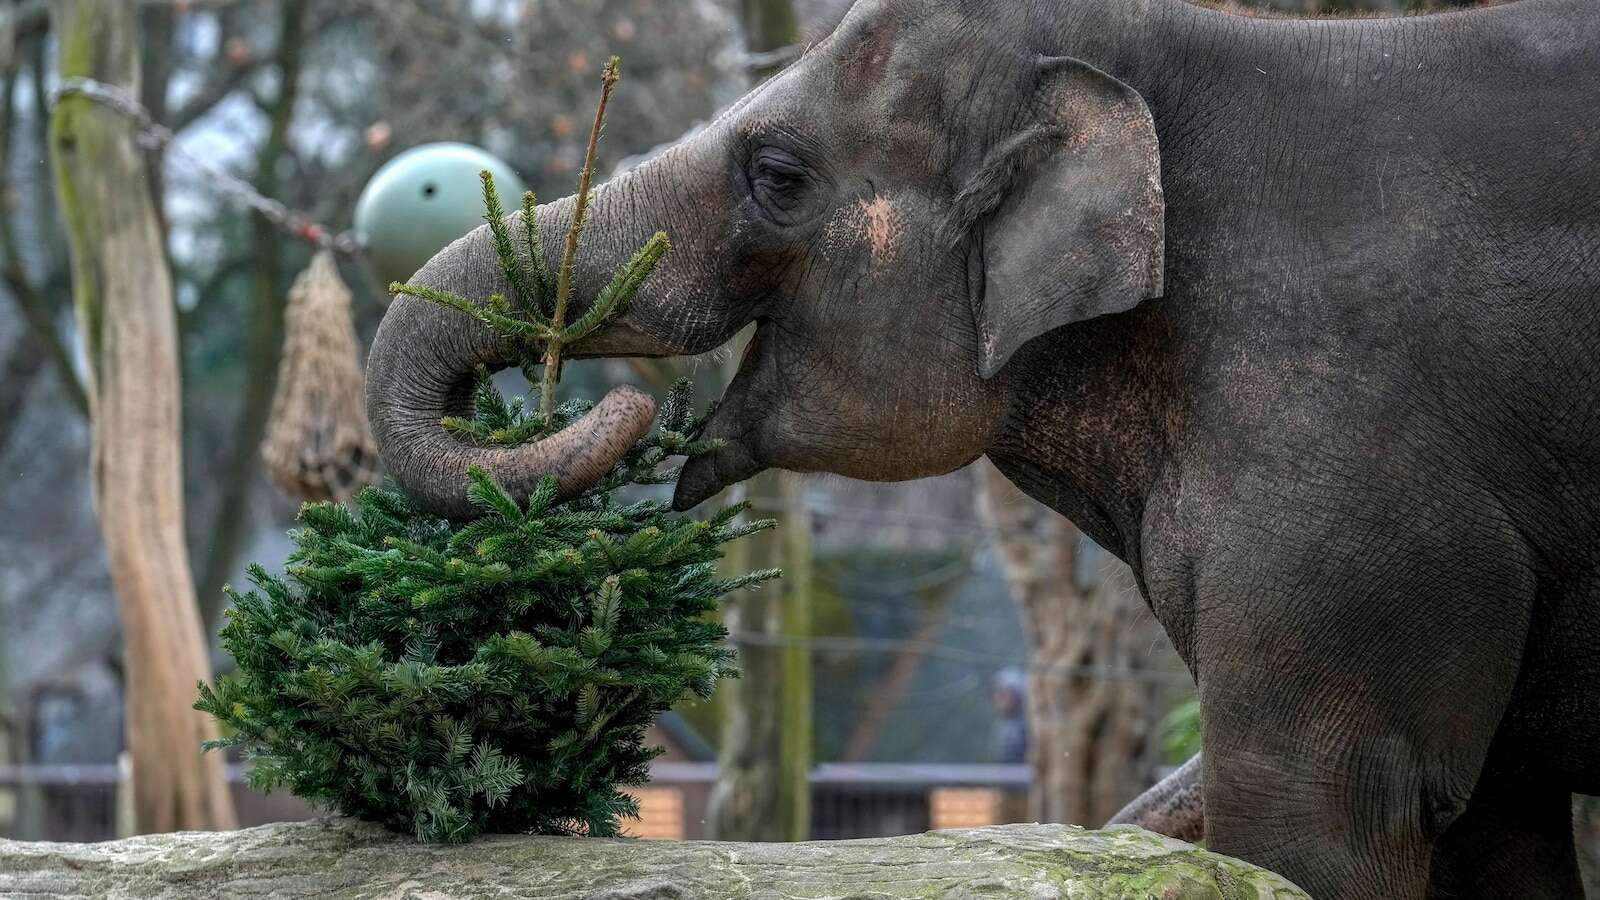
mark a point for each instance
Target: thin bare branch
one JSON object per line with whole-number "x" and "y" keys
{"x": 217, "y": 88}
{"x": 36, "y": 309}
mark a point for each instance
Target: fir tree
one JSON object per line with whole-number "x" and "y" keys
{"x": 497, "y": 675}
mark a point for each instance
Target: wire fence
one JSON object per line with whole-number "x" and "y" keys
{"x": 847, "y": 644}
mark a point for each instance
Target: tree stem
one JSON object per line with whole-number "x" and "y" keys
{"x": 552, "y": 354}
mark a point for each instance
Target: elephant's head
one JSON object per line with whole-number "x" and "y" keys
{"x": 917, "y": 197}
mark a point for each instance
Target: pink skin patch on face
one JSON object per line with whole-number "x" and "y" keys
{"x": 881, "y": 226}
{"x": 875, "y": 226}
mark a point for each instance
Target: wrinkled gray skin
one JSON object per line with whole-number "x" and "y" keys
{"x": 1175, "y": 807}
{"x": 1330, "y": 393}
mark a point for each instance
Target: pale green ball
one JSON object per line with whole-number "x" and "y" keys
{"x": 423, "y": 199}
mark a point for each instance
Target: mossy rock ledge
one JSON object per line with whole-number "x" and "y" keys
{"x": 340, "y": 858}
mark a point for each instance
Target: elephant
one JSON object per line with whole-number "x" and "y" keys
{"x": 1299, "y": 318}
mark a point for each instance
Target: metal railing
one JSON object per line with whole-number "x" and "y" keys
{"x": 80, "y": 802}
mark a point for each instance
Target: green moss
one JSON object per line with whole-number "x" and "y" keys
{"x": 76, "y": 44}
{"x": 343, "y": 859}
{"x": 74, "y": 135}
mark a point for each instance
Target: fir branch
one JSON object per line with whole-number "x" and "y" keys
{"x": 536, "y": 341}
{"x": 678, "y": 406}
{"x": 615, "y": 298}
{"x": 538, "y": 270}
{"x": 525, "y": 290}
{"x": 490, "y": 496}
{"x": 498, "y": 321}
{"x": 386, "y": 672}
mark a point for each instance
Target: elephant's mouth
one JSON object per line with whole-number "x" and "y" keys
{"x": 705, "y": 476}
{"x": 734, "y": 424}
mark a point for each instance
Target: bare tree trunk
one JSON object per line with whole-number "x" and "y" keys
{"x": 1093, "y": 705}
{"x": 157, "y": 26}
{"x": 123, "y": 294}
{"x": 20, "y": 367}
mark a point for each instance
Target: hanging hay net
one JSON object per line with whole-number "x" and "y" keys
{"x": 318, "y": 444}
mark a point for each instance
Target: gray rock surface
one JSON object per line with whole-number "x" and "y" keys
{"x": 340, "y": 858}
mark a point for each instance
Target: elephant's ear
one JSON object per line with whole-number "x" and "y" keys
{"x": 1065, "y": 219}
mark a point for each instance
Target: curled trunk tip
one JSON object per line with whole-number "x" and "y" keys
{"x": 432, "y": 468}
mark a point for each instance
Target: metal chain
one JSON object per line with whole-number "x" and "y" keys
{"x": 155, "y": 136}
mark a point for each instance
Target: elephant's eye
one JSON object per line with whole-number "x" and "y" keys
{"x": 778, "y": 179}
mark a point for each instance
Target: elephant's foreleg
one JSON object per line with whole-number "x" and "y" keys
{"x": 1353, "y": 674}
{"x": 1174, "y": 807}
{"x": 1514, "y": 840}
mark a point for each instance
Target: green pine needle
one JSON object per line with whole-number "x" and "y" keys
{"x": 534, "y": 251}
{"x": 526, "y": 287}
{"x": 615, "y": 298}
{"x": 538, "y": 328}
{"x": 501, "y": 323}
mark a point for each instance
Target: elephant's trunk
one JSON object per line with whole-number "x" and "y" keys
{"x": 424, "y": 357}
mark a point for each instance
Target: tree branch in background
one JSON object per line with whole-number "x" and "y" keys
{"x": 22, "y": 365}
{"x": 31, "y": 18}
{"x": 156, "y": 30}
{"x": 206, "y": 287}
{"x": 37, "y": 310}
{"x": 20, "y": 23}
{"x": 224, "y": 80}
{"x": 266, "y": 329}
{"x": 39, "y": 314}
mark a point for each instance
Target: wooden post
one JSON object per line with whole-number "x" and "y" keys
{"x": 127, "y": 825}
{"x": 123, "y": 296}
{"x": 795, "y": 710}
{"x": 763, "y": 790}
{"x": 19, "y": 804}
